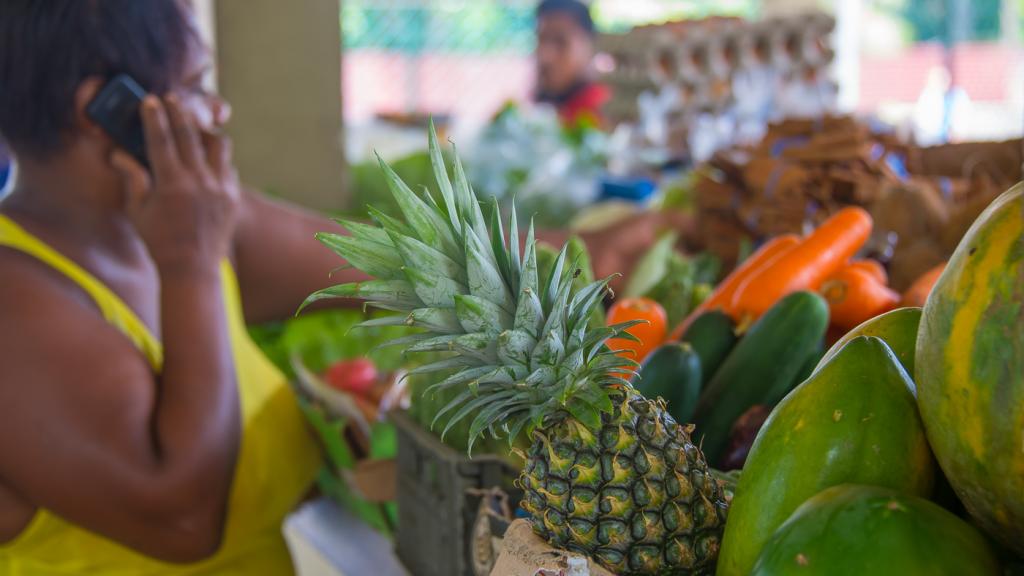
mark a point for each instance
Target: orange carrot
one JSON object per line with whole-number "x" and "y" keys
{"x": 873, "y": 267}
{"x": 854, "y": 296}
{"x": 918, "y": 292}
{"x": 807, "y": 265}
{"x": 721, "y": 298}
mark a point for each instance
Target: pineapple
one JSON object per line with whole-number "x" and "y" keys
{"x": 608, "y": 473}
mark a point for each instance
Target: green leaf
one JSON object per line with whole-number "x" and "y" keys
{"x": 516, "y": 427}
{"x": 598, "y": 397}
{"x": 528, "y": 278}
{"x": 474, "y": 405}
{"x": 554, "y": 283}
{"x": 486, "y": 418}
{"x": 460, "y": 378}
{"x": 504, "y": 375}
{"x": 446, "y": 364}
{"x": 443, "y": 183}
{"x": 403, "y": 341}
{"x": 390, "y": 224}
{"x": 440, "y": 320}
{"x": 468, "y": 203}
{"x": 398, "y": 293}
{"x": 548, "y": 352}
{"x": 557, "y": 312}
{"x": 529, "y": 313}
{"x": 426, "y": 258}
{"x": 515, "y": 346}
{"x": 365, "y": 231}
{"x": 480, "y": 346}
{"x": 542, "y": 376}
{"x": 612, "y": 362}
{"x": 478, "y": 315}
{"x": 396, "y": 320}
{"x": 443, "y": 343}
{"x": 432, "y": 288}
{"x": 585, "y": 413}
{"x": 376, "y": 260}
{"x": 430, "y": 227}
{"x": 652, "y": 267}
{"x": 483, "y": 277}
{"x": 498, "y": 245}
{"x": 586, "y": 300}
{"x": 513, "y": 251}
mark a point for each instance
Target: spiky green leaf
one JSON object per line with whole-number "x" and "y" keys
{"x": 377, "y": 260}
{"x": 585, "y": 413}
{"x": 443, "y": 182}
{"x": 388, "y": 223}
{"x": 397, "y": 293}
{"x": 460, "y": 378}
{"x": 478, "y": 315}
{"x": 365, "y": 231}
{"x": 428, "y": 224}
{"x": 439, "y": 320}
{"x": 515, "y": 346}
{"x": 484, "y": 279}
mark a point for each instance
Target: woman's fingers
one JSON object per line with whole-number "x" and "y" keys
{"x": 186, "y": 135}
{"x": 160, "y": 145}
{"x": 219, "y": 154}
{"x": 134, "y": 177}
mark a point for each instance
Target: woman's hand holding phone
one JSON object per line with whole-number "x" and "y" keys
{"x": 185, "y": 208}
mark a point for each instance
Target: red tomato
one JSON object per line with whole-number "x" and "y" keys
{"x": 651, "y": 333}
{"x": 354, "y": 376}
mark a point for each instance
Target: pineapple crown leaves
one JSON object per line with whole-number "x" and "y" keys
{"x": 522, "y": 353}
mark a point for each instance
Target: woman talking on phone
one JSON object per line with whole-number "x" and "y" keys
{"x": 141, "y": 431}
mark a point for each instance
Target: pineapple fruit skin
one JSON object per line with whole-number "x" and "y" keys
{"x": 637, "y": 496}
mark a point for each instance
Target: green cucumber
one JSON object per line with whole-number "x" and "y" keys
{"x": 712, "y": 335}
{"x": 810, "y": 365}
{"x": 672, "y": 372}
{"x": 762, "y": 367}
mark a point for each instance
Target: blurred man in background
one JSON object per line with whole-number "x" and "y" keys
{"x": 565, "y": 49}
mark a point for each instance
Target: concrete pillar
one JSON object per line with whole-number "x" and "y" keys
{"x": 279, "y": 64}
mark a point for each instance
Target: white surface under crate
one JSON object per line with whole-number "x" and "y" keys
{"x": 327, "y": 540}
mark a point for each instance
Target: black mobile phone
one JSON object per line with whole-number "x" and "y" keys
{"x": 116, "y": 108}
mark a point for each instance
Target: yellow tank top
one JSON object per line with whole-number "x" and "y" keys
{"x": 277, "y": 458}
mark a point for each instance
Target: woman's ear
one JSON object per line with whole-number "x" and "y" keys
{"x": 85, "y": 94}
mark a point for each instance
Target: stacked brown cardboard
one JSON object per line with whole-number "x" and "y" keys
{"x": 922, "y": 199}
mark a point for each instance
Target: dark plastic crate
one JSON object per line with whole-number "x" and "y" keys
{"x": 439, "y": 493}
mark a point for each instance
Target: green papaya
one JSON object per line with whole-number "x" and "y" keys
{"x": 852, "y": 530}
{"x": 712, "y": 335}
{"x": 672, "y": 372}
{"x": 970, "y": 370}
{"x": 897, "y": 328}
{"x": 853, "y": 421}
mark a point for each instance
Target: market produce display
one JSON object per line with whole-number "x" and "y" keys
{"x": 608, "y": 473}
{"x": 833, "y": 452}
{"x": 854, "y": 421}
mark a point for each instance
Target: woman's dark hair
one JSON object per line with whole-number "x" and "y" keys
{"x": 48, "y": 47}
{"x": 574, "y": 8}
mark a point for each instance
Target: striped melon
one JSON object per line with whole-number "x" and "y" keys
{"x": 970, "y": 370}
